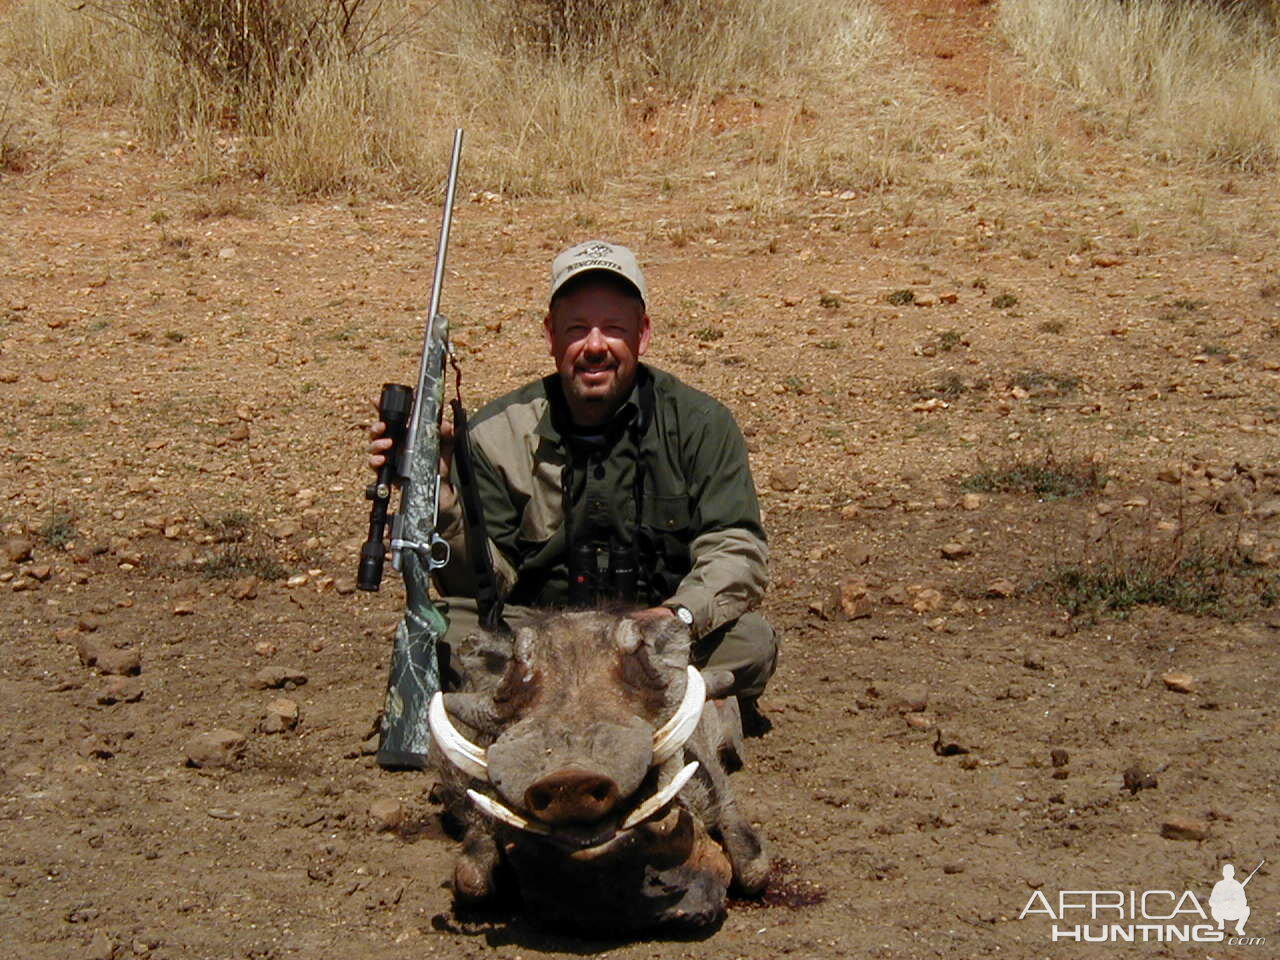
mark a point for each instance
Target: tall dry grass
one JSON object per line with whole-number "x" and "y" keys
{"x": 557, "y": 95}
{"x": 567, "y": 95}
{"x": 1190, "y": 80}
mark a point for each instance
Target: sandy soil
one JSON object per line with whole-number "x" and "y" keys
{"x": 185, "y": 373}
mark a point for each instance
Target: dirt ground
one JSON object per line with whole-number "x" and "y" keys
{"x": 185, "y": 373}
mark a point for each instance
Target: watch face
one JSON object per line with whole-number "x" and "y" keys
{"x": 685, "y": 615}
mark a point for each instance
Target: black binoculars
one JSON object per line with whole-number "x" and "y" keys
{"x": 618, "y": 583}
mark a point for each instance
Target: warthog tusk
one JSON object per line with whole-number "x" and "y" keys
{"x": 668, "y": 740}
{"x": 508, "y": 816}
{"x": 462, "y": 753}
{"x": 661, "y": 798}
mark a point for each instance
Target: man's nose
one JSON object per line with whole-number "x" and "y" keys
{"x": 596, "y": 341}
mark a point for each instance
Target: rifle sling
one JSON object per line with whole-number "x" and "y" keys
{"x": 488, "y": 599}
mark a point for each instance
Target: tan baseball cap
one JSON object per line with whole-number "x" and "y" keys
{"x": 597, "y": 255}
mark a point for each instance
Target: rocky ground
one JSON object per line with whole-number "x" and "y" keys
{"x": 951, "y": 401}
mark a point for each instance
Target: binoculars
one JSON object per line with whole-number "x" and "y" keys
{"x": 589, "y": 587}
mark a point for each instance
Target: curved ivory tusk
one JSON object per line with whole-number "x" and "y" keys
{"x": 462, "y": 753}
{"x": 673, "y": 734}
{"x": 661, "y": 798}
{"x": 508, "y": 816}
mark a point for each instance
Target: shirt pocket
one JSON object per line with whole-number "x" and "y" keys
{"x": 667, "y": 515}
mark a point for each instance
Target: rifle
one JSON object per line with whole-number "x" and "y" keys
{"x": 413, "y": 464}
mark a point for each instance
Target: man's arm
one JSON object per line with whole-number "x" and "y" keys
{"x": 730, "y": 556}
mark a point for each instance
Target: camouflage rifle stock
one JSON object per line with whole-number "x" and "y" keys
{"x": 416, "y": 549}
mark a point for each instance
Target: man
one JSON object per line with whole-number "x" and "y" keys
{"x": 616, "y": 478}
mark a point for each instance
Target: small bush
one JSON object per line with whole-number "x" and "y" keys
{"x": 59, "y": 529}
{"x": 1044, "y": 476}
{"x": 1199, "y": 568}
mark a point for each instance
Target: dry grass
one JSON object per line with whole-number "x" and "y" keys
{"x": 556, "y": 96}
{"x": 1190, "y": 80}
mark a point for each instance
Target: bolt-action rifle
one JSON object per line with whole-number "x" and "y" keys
{"x": 413, "y": 464}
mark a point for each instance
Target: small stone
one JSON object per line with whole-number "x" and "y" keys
{"x": 1105, "y": 260}
{"x": 927, "y": 600}
{"x": 90, "y": 648}
{"x": 955, "y": 551}
{"x": 345, "y": 587}
{"x": 297, "y": 580}
{"x": 41, "y": 572}
{"x": 217, "y": 748}
{"x": 1135, "y": 778}
{"x": 784, "y": 481}
{"x": 1059, "y": 757}
{"x": 227, "y": 253}
{"x": 245, "y": 588}
{"x": 1179, "y": 682}
{"x": 918, "y": 721}
{"x": 184, "y": 608}
{"x": 971, "y": 501}
{"x": 89, "y": 623}
{"x": 264, "y": 648}
{"x": 914, "y": 699}
{"x": 1032, "y": 660}
{"x": 121, "y": 690}
{"x": 1001, "y": 589}
{"x": 386, "y": 813}
{"x": 953, "y": 868}
{"x": 286, "y": 529}
{"x": 121, "y": 663}
{"x": 239, "y": 432}
{"x": 282, "y": 715}
{"x": 274, "y": 677}
{"x": 855, "y": 599}
{"x": 100, "y": 947}
{"x": 1184, "y": 828}
{"x": 18, "y": 549}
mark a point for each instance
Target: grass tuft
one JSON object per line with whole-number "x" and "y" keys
{"x": 1045, "y": 476}
{"x": 59, "y": 529}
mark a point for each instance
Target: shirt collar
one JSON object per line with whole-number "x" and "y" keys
{"x": 558, "y": 412}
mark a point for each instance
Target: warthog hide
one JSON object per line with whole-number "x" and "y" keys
{"x": 585, "y": 752}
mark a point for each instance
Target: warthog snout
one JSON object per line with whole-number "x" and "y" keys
{"x": 571, "y": 796}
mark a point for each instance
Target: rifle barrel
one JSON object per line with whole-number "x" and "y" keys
{"x": 442, "y": 250}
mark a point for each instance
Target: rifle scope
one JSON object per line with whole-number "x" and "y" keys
{"x": 394, "y": 409}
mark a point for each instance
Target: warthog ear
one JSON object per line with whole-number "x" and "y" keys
{"x": 626, "y": 635}
{"x": 670, "y": 641}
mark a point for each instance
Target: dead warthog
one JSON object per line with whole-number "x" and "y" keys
{"x": 593, "y": 766}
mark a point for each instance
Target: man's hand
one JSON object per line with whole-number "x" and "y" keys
{"x": 652, "y": 613}
{"x": 379, "y": 445}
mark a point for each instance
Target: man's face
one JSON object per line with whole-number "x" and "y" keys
{"x": 596, "y": 334}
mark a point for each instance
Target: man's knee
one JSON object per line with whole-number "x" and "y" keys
{"x": 746, "y": 647}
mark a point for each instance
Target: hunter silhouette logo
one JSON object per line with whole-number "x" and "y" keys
{"x": 596, "y": 250}
{"x": 1228, "y": 901}
{"x": 1147, "y": 916}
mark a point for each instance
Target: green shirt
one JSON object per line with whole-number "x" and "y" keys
{"x": 701, "y": 542}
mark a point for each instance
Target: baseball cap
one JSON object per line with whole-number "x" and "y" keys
{"x": 597, "y": 255}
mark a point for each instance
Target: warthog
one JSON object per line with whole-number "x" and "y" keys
{"x": 594, "y": 767}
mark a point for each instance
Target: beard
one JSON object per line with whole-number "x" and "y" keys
{"x": 592, "y": 404}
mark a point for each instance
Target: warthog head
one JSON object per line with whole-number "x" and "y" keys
{"x": 591, "y": 764}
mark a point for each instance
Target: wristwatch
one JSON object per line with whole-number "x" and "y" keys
{"x": 683, "y": 613}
